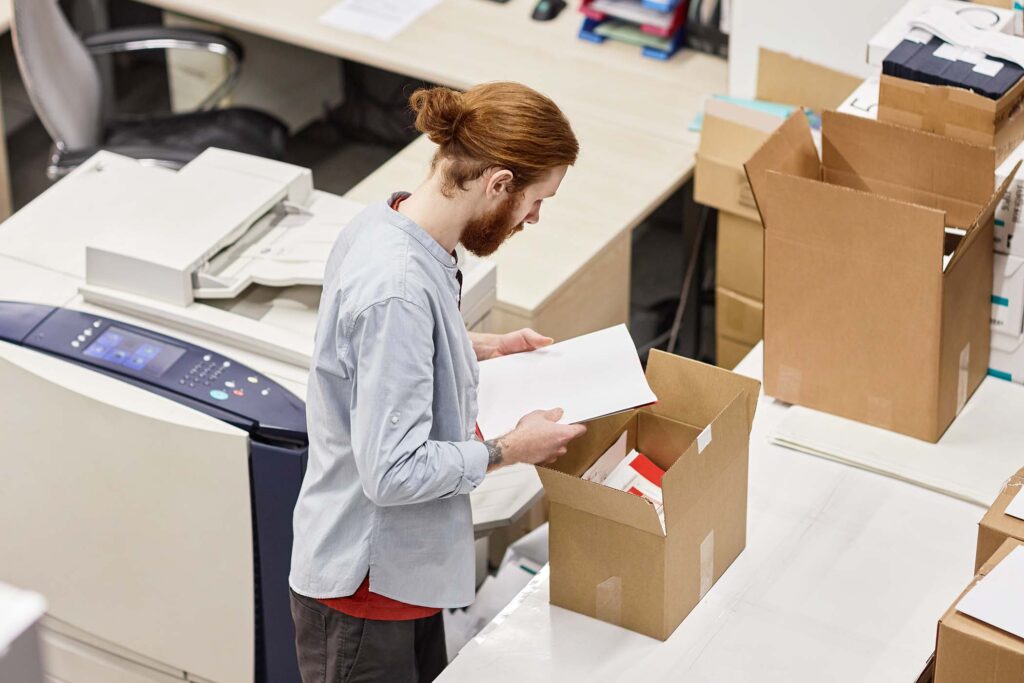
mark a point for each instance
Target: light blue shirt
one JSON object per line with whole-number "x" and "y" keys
{"x": 391, "y": 412}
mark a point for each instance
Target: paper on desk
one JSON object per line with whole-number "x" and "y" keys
{"x": 588, "y": 377}
{"x": 998, "y": 599}
{"x": 1016, "y": 506}
{"x": 382, "y": 19}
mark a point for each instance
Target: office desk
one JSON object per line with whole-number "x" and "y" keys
{"x": 569, "y": 274}
{"x": 844, "y": 578}
{"x": 464, "y": 42}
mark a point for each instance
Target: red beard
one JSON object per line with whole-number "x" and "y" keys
{"x": 485, "y": 234}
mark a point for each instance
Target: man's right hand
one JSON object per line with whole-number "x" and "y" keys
{"x": 538, "y": 439}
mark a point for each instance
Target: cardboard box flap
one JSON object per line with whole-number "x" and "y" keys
{"x": 692, "y": 392}
{"x": 600, "y": 501}
{"x": 600, "y": 435}
{"x": 985, "y": 214}
{"x": 731, "y": 132}
{"x": 789, "y": 150}
{"x": 924, "y": 163}
{"x": 791, "y": 80}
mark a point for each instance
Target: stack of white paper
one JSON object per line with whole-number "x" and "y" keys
{"x": 587, "y": 377}
{"x": 998, "y": 599}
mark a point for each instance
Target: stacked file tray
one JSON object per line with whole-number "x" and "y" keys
{"x": 655, "y": 26}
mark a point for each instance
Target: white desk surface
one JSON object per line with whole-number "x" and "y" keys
{"x": 461, "y": 43}
{"x": 844, "y": 578}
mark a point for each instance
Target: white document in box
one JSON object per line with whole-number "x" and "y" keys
{"x": 591, "y": 376}
{"x": 998, "y": 599}
{"x": 1016, "y": 506}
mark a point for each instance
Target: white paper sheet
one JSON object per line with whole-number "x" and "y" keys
{"x": 998, "y": 599}
{"x": 972, "y": 460}
{"x": 1016, "y": 506}
{"x": 587, "y": 377}
{"x": 382, "y": 19}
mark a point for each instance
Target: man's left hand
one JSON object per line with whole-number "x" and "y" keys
{"x": 489, "y": 346}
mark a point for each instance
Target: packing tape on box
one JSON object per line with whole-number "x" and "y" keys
{"x": 1014, "y": 482}
{"x": 879, "y": 411}
{"x": 608, "y": 600}
{"x": 707, "y": 563}
{"x": 704, "y": 439}
{"x": 963, "y": 376}
{"x": 788, "y": 381}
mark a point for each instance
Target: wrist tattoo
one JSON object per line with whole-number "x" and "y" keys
{"x": 495, "y": 454}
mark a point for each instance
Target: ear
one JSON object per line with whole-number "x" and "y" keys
{"x": 499, "y": 181}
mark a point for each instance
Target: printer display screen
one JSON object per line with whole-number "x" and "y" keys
{"x": 134, "y": 352}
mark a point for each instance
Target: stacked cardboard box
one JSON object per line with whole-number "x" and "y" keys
{"x": 1001, "y": 521}
{"x": 731, "y": 133}
{"x": 974, "y": 650}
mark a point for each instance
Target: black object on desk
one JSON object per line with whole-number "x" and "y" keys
{"x": 546, "y": 10}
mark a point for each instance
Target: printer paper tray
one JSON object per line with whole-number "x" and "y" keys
{"x": 287, "y": 247}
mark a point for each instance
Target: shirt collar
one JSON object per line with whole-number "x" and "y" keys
{"x": 449, "y": 261}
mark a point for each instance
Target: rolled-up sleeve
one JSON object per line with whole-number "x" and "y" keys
{"x": 391, "y": 414}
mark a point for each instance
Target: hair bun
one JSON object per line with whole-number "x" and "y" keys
{"x": 439, "y": 112}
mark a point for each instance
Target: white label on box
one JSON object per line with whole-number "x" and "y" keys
{"x": 987, "y": 67}
{"x": 863, "y": 101}
{"x": 951, "y": 53}
{"x": 704, "y": 439}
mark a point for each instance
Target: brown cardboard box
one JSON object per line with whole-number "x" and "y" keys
{"x": 728, "y": 352}
{"x": 739, "y": 260}
{"x": 791, "y": 80}
{"x": 861, "y": 319}
{"x": 997, "y": 526}
{"x": 738, "y": 317}
{"x": 731, "y": 133}
{"x": 971, "y": 651}
{"x": 955, "y": 112}
{"x": 609, "y": 557}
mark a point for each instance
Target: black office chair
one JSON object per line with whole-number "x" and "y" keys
{"x": 65, "y": 87}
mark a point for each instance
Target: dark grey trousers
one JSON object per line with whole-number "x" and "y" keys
{"x": 335, "y": 648}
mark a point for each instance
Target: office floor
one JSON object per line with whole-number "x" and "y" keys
{"x": 340, "y": 160}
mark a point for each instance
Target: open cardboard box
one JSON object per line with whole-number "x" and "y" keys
{"x": 610, "y": 558}
{"x": 970, "y": 651}
{"x": 864, "y": 317}
{"x": 997, "y": 526}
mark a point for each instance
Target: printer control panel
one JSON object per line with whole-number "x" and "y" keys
{"x": 175, "y": 367}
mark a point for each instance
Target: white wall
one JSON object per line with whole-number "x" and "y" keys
{"x": 833, "y": 33}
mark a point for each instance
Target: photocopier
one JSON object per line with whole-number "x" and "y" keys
{"x": 156, "y": 328}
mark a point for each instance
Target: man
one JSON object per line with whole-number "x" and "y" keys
{"x": 383, "y": 526}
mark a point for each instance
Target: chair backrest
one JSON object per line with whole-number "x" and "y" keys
{"x": 60, "y": 75}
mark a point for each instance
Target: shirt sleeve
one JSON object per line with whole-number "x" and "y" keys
{"x": 392, "y": 407}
